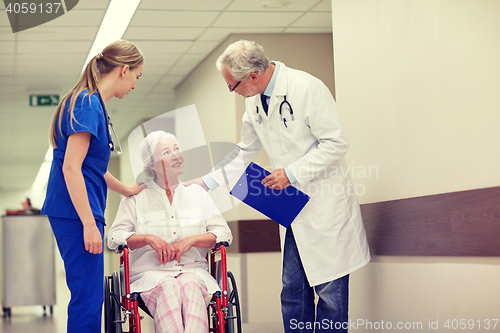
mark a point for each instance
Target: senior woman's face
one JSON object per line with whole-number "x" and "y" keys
{"x": 168, "y": 150}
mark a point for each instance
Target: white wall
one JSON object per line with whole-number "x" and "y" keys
{"x": 417, "y": 84}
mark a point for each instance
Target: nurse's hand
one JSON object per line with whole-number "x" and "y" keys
{"x": 134, "y": 188}
{"x": 163, "y": 248}
{"x": 277, "y": 180}
{"x": 92, "y": 239}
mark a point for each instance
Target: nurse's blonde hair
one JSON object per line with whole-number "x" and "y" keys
{"x": 116, "y": 54}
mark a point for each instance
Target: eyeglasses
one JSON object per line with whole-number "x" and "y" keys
{"x": 233, "y": 88}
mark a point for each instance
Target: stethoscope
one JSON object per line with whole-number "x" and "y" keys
{"x": 110, "y": 125}
{"x": 258, "y": 117}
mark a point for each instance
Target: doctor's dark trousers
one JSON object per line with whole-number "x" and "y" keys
{"x": 297, "y": 297}
{"x": 84, "y": 275}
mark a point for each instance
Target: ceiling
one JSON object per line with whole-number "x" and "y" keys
{"x": 175, "y": 36}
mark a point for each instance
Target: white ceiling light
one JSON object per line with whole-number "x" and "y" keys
{"x": 274, "y": 4}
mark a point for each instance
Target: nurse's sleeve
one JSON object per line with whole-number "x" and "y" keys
{"x": 323, "y": 118}
{"x": 87, "y": 114}
{"x": 124, "y": 225}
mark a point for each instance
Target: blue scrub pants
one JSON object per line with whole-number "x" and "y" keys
{"x": 84, "y": 275}
{"x": 297, "y": 297}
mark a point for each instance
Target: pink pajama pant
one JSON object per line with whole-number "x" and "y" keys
{"x": 179, "y": 304}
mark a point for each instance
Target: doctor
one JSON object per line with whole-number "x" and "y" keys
{"x": 305, "y": 141}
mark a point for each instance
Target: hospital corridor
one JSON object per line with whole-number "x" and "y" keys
{"x": 346, "y": 152}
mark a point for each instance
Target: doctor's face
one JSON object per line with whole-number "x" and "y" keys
{"x": 245, "y": 88}
{"x": 168, "y": 150}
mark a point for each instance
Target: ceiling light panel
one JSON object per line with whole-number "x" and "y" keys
{"x": 82, "y": 18}
{"x": 203, "y": 47}
{"x": 58, "y": 33}
{"x": 205, "y": 5}
{"x": 220, "y": 34}
{"x": 92, "y": 4}
{"x": 55, "y": 47}
{"x": 162, "y": 47}
{"x": 256, "y": 5}
{"x": 7, "y": 47}
{"x": 6, "y": 34}
{"x": 314, "y": 19}
{"x": 162, "y": 33}
{"x": 162, "y": 18}
{"x": 254, "y": 19}
{"x": 307, "y": 30}
{"x": 323, "y": 6}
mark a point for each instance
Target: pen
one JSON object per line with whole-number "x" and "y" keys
{"x": 284, "y": 122}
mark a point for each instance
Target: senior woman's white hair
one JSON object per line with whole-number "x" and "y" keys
{"x": 242, "y": 58}
{"x": 147, "y": 149}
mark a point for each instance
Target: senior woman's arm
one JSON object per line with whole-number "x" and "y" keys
{"x": 216, "y": 227}
{"x": 164, "y": 249}
{"x": 124, "y": 224}
{"x": 206, "y": 241}
{"x": 123, "y": 232}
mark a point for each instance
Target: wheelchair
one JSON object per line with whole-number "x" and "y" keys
{"x": 120, "y": 305}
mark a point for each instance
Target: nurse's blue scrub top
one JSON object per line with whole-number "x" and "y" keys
{"x": 90, "y": 117}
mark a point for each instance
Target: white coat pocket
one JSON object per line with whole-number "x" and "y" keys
{"x": 328, "y": 206}
{"x": 291, "y": 136}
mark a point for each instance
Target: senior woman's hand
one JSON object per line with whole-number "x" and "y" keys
{"x": 163, "y": 248}
{"x": 206, "y": 241}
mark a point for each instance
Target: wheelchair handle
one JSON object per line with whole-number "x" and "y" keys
{"x": 217, "y": 246}
{"x": 120, "y": 248}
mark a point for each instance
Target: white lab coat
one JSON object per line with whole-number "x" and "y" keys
{"x": 329, "y": 231}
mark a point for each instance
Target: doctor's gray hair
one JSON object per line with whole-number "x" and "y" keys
{"x": 242, "y": 58}
{"x": 147, "y": 149}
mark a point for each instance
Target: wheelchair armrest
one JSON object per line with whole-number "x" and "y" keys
{"x": 120, "y": 248}
{"x": 217, "y": 246}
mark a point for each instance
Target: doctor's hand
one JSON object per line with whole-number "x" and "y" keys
{"x": 277, "y": 180}
{"x": 197, "y": 181}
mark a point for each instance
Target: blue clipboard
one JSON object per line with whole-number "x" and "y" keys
{"x": 282, "y": 206}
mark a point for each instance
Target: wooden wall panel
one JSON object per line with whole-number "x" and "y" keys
{"x": 258, "y": 236}
{"x": 463, "y": 223}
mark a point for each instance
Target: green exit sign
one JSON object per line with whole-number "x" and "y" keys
{"x": 44, "y": 100}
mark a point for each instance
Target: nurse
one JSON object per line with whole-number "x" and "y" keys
{"x": 78, "y": 182}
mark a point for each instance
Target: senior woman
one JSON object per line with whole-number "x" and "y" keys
{"x": 169, "y": 228}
